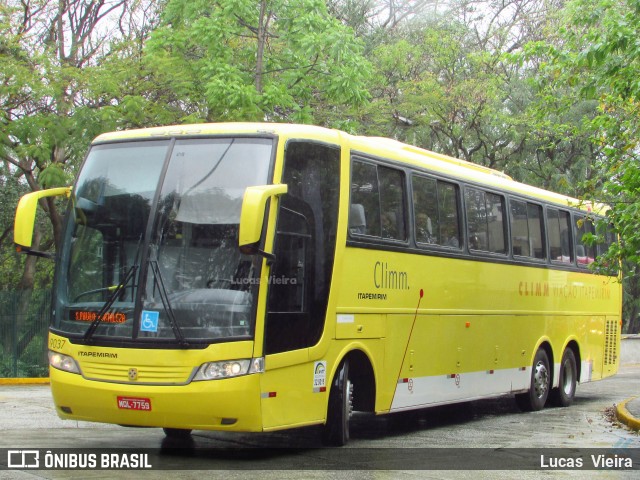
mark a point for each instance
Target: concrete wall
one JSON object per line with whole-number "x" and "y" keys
{"x": 630, "y": 350}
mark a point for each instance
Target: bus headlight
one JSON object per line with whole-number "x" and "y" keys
{"x": 63, "y": 362}
{"x": 229, "y": 368}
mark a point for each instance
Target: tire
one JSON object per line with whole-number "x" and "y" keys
{"x": 568, "y": 378}
{"x": 536, "y": 397}
{"x": 339, "y": 409}
{"x": 177, "y": 433}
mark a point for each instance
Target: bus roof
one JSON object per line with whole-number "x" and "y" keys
{"x": 376, "y": 146}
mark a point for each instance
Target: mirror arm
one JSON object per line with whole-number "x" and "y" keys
{"x": 35, "y": 253}
{"x": 254, "y": 250}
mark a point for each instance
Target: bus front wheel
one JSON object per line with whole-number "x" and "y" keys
{"x": 563, "y": 395}
{"x": 340, "y": 408}
{"x": 539, "y": 387}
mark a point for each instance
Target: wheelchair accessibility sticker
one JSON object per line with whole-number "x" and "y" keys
{"x": 149, "y": 321}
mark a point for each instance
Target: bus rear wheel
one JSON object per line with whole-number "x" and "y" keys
{"x": 539, "y": 387}
{"x": 563, "y": 395}
{"x": 340, "y": 408}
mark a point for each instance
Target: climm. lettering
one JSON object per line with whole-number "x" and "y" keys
{"x": 385, "y": 277}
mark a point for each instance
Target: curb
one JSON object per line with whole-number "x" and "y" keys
{"x": 625, "y": 417}
{"x": 24, "y": 381}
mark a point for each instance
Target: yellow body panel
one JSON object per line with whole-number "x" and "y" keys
{"x": 162, "y": 378}
{"x": 474, "y": 316}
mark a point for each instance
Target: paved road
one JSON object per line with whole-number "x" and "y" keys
{"x": 28, "y": 421}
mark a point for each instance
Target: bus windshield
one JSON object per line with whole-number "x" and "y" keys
{"x": 151, "y": 242}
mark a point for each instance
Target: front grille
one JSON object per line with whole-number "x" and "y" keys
{"x": 145, "y": 374}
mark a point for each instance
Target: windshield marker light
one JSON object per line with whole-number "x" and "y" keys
{"x": 63, "y": 362}
{"x": 229, "y": 369}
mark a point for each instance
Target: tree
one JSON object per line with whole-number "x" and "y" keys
{"x": 449, "y": 78}
{"x": 269, "y": 60}
{"x": 55, "y": 95}
{"x": 54, "y": 83}
{"x": 598, "y": 56}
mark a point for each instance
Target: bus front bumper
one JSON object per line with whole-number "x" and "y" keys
{"x": 231, "y": 404}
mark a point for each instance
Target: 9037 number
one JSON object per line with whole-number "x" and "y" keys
{"x": 56, "y": 343}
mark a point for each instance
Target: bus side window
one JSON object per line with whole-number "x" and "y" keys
{"x": 377, "y": 202}
{"x": 560, "y": 242}
{"x": 435, "y": 204}
{"x": 485, "y": 217}
{"x": 392, "y": 203}
{"x": 365, "y": 199}
{"x": 585, "y": 253}
{"x": 449, "y": 214}
{"x": 425, "y": 206}
{"x": 527, "y": 230}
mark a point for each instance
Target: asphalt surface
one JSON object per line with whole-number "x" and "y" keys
{"x": 490, "y": 434}
{"x": 28, "y": 421}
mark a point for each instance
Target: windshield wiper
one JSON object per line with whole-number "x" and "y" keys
{"x": 130, "y": 273}
{"x": 166, "y": 303}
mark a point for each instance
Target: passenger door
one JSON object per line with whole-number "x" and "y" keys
{"x": 299, "y": 283}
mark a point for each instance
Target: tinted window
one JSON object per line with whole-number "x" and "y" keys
{"x": 435, "y": 206}
{"x": 485, "y": 217}
{"x": 560, "y": 243}
{"x": 527, "y": 229}
{"x": 377, "y": 202}
{"x": 585, "y": 253}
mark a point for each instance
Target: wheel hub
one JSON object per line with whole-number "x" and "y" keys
{"x": 541, "y": 379}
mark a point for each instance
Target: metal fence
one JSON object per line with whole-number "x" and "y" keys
{"x": 24, "y": 318}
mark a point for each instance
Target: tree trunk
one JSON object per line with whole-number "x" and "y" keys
{"x": 262, "y": 39}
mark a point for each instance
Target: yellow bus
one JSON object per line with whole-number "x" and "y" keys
{"x": 258, "y": 277}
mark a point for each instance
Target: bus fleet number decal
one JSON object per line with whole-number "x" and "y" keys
{"x": 320, "y": 375}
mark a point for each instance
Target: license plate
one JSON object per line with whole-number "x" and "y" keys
{"x": 134, "y": 403}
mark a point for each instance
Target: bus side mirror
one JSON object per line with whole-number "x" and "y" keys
{"x": 252, "y": 215}
{"x": 26, "y": 217}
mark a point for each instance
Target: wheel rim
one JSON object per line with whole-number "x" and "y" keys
{"x": 568, "y": 377}
{"x": 541, "y": 380}
{"x": 349, "y": 399}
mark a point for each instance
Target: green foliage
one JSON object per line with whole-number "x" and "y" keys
{"x": 598, "y": 59}
{"x": 438, "y": 88}
{"x": 275, "y": 60}
{"x": 31, "y": 368}
{"x": 53, "y": 176}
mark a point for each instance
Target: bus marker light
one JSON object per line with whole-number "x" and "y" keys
{"x": 268, "y": 394}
